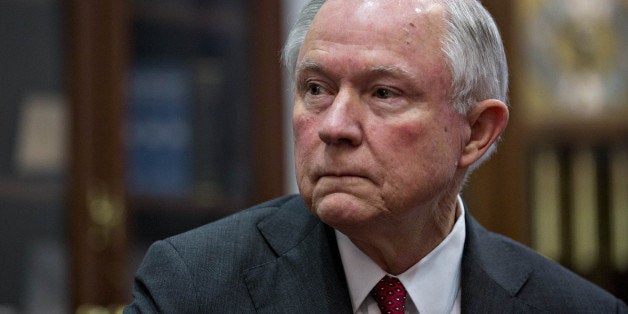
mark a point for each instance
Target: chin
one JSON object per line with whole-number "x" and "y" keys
{"x": 341, "y": 209}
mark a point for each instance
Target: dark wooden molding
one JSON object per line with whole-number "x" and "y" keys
{"x": 97, "y": 67}
{"x": 266, "y": 100}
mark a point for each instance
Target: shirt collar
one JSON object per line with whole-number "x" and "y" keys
{"x": 432, "y": 283}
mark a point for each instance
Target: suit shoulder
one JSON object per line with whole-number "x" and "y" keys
{"x": 183, "y": 271}
{"x": 552, "y": 286}
{"x": 234, "y": 227}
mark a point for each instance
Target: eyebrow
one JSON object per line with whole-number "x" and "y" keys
{"x": 308, "y": 66}
{"x": 392, "y": 71}
{"x": 378, "y": 70}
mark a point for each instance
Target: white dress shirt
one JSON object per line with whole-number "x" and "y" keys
{"x": 432, "y": 284}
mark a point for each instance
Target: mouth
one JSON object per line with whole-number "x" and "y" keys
{"x": 344, "y": 176}
{"x": 345, "y": 183}
{"x": 341, "y": 174}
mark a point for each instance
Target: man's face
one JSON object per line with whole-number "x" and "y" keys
{"x": 375, "y": 135}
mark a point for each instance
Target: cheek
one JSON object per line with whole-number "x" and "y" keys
{"x": 305, "y": 142}
{"x": 417, "y": 150}
{"x": 402, "y": 138}
{"x": 408, "y": 134}
{"x": 305, "y": 134}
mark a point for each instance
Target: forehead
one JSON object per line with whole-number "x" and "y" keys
{"x": 413, "y": 28}
{"x": 395, "y": 18}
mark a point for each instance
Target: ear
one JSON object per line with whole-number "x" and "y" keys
{"x": 487, "y": 120}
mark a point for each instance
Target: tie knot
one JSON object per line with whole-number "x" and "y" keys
{"x": 390, "y": 295}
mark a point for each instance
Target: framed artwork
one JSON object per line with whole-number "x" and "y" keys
{"x": 573, "y": 59}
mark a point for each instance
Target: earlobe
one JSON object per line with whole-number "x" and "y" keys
{"x": 487, "y": 121}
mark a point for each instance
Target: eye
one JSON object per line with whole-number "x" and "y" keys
{"x": 383, "y": 93}
{"x": 314, "y": 89}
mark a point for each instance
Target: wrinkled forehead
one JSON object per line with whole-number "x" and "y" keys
{"x": 413, "y": 28}
{"x": 422, "y": 13}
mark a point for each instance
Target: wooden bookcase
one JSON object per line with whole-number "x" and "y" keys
{"x": 208, "y": 76}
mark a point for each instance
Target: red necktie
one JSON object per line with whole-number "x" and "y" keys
{"x": 390, "y": 295}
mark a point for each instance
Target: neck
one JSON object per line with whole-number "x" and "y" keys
{"x": 395, "y": 249}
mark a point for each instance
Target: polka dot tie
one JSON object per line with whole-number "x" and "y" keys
{"x": 390, "y": 295}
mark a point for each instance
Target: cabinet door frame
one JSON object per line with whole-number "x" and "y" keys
{"x": 98, "y": 63}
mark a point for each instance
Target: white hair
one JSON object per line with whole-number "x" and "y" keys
{"x": 297, "y": 34}
{"x": 472, "y": 47}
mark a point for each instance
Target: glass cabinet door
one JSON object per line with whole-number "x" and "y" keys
{"x": 204, "y": 112}
{"x": 123, "y": 122}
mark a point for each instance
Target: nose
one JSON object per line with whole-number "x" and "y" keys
{"x": 341, "y": 121}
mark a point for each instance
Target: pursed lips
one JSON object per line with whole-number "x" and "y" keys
{"x": 342, "y": 175}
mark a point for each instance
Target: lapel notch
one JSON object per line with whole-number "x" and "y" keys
{"x": 307, "y": 275}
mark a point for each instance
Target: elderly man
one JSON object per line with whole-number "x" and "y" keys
{"x": 394, "y": 103}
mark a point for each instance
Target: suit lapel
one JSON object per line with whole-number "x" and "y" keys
{"x": 491, "y": 274}
{"x": 307, "y": 275}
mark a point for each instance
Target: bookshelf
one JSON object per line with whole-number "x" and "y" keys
{"x": 177, "y": 121}
{"x": 204, "y": 111}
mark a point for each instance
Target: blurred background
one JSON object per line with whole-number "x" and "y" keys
{"x": 126, "y": 121}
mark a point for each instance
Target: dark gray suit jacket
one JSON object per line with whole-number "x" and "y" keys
{"x": 278, "y": 258}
